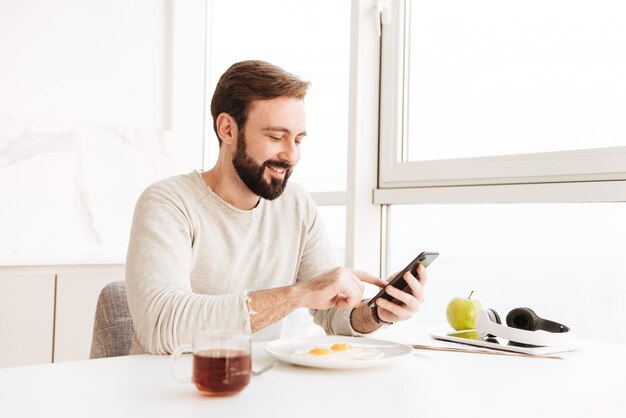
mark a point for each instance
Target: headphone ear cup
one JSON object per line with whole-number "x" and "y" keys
{"x": 493, "y": 315}
{"x": 483, "y": 319}
{"x": 527, "y": 319}
{"x": 520, "y": 321}
{"x": 523, "y": 318}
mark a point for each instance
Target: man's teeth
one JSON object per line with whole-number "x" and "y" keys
{"x": 277, "y": 170}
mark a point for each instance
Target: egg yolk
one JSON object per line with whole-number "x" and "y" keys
{"x": 341, "y": 347}
{"x": 320, "y": 351}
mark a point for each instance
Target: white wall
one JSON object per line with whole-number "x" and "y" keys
{"x": 98, "y": 99}
{"x": 90, "y": 94}
{"x": 88, "y": 60}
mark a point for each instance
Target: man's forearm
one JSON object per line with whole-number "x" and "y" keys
{"x": 272, "y": 305}
{"x": 327, "y": 291}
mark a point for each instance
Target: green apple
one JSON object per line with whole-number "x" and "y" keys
{"x": 461, "y": 312}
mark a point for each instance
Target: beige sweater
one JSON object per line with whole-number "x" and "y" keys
{"x": 192, "y": 259}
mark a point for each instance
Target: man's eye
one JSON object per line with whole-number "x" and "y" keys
{"x": 275, "y": 138}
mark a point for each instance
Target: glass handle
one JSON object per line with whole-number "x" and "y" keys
{"x": 175, "y": 355}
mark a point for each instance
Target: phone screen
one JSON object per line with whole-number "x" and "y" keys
{"x": 473, "y": 336}
{"x": 425, "y": 258}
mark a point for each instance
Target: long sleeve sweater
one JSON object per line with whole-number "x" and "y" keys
{"x": 193, "y": 258}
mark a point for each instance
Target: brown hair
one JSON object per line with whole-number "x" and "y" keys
{"x": 246, "y": 81}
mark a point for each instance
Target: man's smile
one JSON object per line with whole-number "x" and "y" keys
{"x": 277, "y": 171}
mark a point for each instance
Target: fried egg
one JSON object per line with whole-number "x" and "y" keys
{"x": 339, "y": 351}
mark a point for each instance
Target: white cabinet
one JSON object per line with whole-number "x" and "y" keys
{"x": 76, "y": 296}
{"x": 26, "y": 318}
{"x": 47, "y": 312}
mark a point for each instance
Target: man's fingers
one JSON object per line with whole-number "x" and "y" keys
{"x": 400, "y": 312}
{"x": 350, "y": 293}
{"x": 342, "y": 301}
{"x": 406, "y": 304}
{"x": 402, "y": 296}
{"x": 416, "y": 287}
{"x": 422, "y": 274}
{"x": 368, "y": 278}
{"x": 354, "y": 283}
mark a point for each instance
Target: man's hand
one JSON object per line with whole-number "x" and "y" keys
{"x": 362, "y": 319}
{"x": 410, "y": 302}
{"x": 338, "y": 288}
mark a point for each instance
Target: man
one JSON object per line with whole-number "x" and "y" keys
{"x": 237, "y": 246}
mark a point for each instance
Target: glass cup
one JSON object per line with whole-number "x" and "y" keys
{"x": 222, "y": 362}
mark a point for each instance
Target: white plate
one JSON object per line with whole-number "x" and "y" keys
{"x": 284, "y": 349}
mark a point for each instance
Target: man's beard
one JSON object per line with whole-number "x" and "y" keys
{"x": 251, "y": 173}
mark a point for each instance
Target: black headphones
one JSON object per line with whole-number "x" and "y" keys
{"x": 524, "y": 327}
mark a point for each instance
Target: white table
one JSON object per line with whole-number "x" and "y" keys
{"x": 588, "y": 383}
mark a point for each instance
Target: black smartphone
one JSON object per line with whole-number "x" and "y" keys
{"x": 425, "y": 258}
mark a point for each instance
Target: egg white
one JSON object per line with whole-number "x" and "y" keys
{"x": 356, "y": 354}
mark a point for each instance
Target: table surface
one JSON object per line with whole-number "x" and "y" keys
{"x": 586, "y": 383}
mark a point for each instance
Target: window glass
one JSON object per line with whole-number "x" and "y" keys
{"x": 334, "y": 218}
{"x": 496, "y": 78}
{"x": 311, "y": 40}
{"x": 300, "y": 322}
{"x": 565, "y": 261}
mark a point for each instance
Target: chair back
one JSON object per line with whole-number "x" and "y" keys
{"x": 113, "y": 326}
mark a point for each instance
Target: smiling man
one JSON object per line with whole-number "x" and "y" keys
{"x": 239, "y": 246}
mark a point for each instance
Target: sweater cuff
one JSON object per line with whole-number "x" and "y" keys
{"x": 246, "y": 310}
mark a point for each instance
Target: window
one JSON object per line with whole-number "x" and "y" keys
{"x": 290, "y": 37}
{"x": 566, "y": 261}
{"x": 503, "y": 146}
{"x": 552, "y": 79}
{"x": 501, "y": 93}
{"x": 288, "y": 34}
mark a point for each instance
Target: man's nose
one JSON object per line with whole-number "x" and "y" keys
{"x": 290, "y": 152}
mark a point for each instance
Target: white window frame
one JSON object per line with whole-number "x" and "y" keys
{"x": 569, "y": 172}
{"x": 364, "y": 220}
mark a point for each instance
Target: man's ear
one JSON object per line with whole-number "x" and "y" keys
{"x": 226, "y": 128}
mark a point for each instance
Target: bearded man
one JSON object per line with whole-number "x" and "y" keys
{"x": 238, "y": 246}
